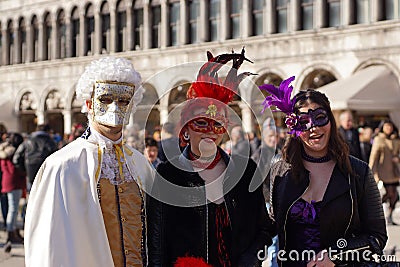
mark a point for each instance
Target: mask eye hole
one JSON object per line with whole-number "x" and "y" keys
{"x": 218, "y": 124}
{"x": 201, "y": 123}
{"x": 105, "y": 100}
{"x": 304, "y": 120}
{"x": 123, "y": 101}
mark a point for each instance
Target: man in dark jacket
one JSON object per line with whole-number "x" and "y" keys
{"x": 349, "y": 133}
{"x": 32, "y": 152}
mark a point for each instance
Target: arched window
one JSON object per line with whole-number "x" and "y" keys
{"x": 105, "y": 28}
{"x": 234, "y": 18}
{"x": 316, "y": 79}
{"x": 213, "y": 19}
{"x": 281, "y": 15}
{"x": 22, "y": 47}
{"x": 47, "y": 30}
{"x": 257, "y": 17}
{"x": 89, "y": 24}
{"x": 138, "y": 25}
{"x": 333, "y": 13}
{"x": 155, "y": 24}
{"x": 174, "y": 13}
{"x": 121, "y": 27}
{"x": 194, "y": 18}
{"x": 61, "y": 35}
{"x": 307, "y": 14}
{"x": 75, "y": 32}
{"x": 35, "y": 39}
{"x": 10, "y": 45}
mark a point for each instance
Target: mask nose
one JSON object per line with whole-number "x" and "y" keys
{"x": 113, "y": 107}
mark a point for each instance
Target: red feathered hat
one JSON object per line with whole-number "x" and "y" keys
{"x": 211, "y": 93}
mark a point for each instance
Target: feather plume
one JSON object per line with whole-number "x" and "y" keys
{"x": 279, "y": 96}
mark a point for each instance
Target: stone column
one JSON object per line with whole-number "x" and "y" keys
{"x": 17, "y": 45}
{"x": 40, "y": 117}
{"x": 246, "y": 23}
{"x": 376, "y": 10}
{"x": 97, "y": 33}
{"x": 224, "y": 22}
{"x": 55, "y": 41}
{"x": 67, "y": 121}
{"x": 29, "y": 42}
{"x": 146, "y": 26}
{"x": 246, "y": 117}
{"x": 113, "y": 29}
{"x": 164, "y": 24}
{"x": 203, "y": 23}
{"x": 163, "y": 108}
{"x": 41, "y": 41}
{"x": 184, "y": 22}
{"x": 320, "y": 14}
{"x": 346, "y": 12}
{"x": 68, "y": 37}
{"x": 294, "y": 16}
{"x": 270, "y": 21}
{"x": 5, "y": 43}
{"x": 129, "y": 28}
{"x": 82, "y": 33}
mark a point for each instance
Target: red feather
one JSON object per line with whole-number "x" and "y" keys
{"x": 209, "y": 85}
{"x": 190, "y": 262}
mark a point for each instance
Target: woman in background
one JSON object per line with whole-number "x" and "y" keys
{"x": 13, "y": 184}
{"x": 383, "y": 160}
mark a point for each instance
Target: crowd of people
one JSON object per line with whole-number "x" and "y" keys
{"x": 198, "y": 192}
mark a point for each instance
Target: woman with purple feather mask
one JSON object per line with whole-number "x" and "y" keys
{"x": 324, "y": 203}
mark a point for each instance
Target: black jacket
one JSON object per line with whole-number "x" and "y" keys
{"x": 352, "y": 140}
{"x": 176, "y": 231}
{"x": 33, "y": 151}
{"x": 351, "y": 207}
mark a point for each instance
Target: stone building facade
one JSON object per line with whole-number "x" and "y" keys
{"x": 45, "y": 46}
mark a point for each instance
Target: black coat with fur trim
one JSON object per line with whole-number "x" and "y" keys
{"x": 175, "y": 231}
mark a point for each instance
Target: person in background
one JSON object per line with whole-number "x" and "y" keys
{"x": 384, "y": 155}
{"x": 319, "y": 193}
{"x": 263, "y": 157}
{"x": 3, "y": 197}
{"x": 13, "y": 184}
{"x": 202, "y": 206}
{"x": 33, "y": 151}
{"x": 169, "y": 144}
{"x": 151, "y": 151}
{"x": 240, "y": 145}
{"x": 365, "y": 143}
{"x": 87, "y": 205}
{"x": 349, "y": 133}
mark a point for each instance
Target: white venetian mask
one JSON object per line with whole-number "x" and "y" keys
{"x": 112, "y": 102}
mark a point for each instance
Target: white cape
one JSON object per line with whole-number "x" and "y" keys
{"x": 64, "y": 224}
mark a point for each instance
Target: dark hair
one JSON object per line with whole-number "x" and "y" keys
{"x": 149, "y": 141}
{"x": 383, "y": 122}
{"x": 337, "y": 148}
{"x": 16, "y": 139}
{"x": 43, "y": 127}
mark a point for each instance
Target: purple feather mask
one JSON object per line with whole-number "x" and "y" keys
{"x": 280, "y": 98}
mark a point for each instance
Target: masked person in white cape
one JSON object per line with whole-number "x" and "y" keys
{"x": 87, "y": 204}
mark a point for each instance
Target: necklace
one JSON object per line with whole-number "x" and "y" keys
{"x": 206, "y": 162}
{"x": 309, "y": 158}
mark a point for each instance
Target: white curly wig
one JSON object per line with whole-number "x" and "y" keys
{"x": 109, "y": 69}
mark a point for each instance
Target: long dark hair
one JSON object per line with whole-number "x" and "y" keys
{"x": 337, "y": 148}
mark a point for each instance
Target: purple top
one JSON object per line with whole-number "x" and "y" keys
{"x": 303, "y": 228}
